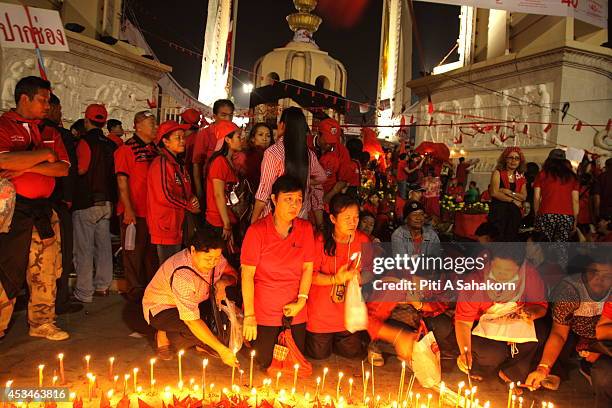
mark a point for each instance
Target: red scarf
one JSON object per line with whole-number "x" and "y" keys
{"x": 519, "y": 180}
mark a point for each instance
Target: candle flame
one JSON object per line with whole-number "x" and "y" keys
{"x": 110, "y": 393}
{"x": 325, "y": 370}
{"x": 111, "y": 359}
{"x": 351, "y": 380}
{"x": 461, "y": 384}
{"x": 116, "y": 378}
{"x": 72, "y": 395}
{"x": 487, "y": 404}
{"x": 60, "y": 356}
{"x": 253, "y": 353}
{"x": 296, "y": 366}
{"x": 139, "y": 389}
{"x": 41, "y": 366}
{"x": 87, "y": 358}
{"x": 135, "y": 370}
{"x": 278, "y": 374}
{"x": 340, "y": 374}
{"x": 126, "y": 376}
{"x": 181, "y": 352}
{"x": 205, "y": 362}
{"x": 152, "y": 361}
{"x": 9, "y": 383}
{"x": 318, "y": 380}
{"x": 253, "y": 391}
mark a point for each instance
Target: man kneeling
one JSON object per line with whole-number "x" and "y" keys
{"x": 172, "y": 298}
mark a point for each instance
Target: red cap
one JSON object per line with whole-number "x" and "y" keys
{"x": 96, "y": 113}
{"x": 191, "y": 116}
{"x": 168, "y": 126}
{"x": 222, "y": 128}
{"x": 330, "y": 131}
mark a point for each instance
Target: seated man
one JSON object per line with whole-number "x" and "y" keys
{"x": 172, "y": 298}
{"x": 579, "y": 304}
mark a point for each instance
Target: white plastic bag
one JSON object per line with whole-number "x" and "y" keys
{"x": 426, "y": 360}
{"x": 355, "y": 310}
{"x": 7, "y": 204}
{"x": 235, "y": 322}
{"x": 502, "y": 323}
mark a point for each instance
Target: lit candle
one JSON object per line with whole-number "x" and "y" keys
{"x": 87, "y": 358}
{"x": 180, "y": 367}
{"x": 110, "y": 394}
{"x": 377, "y": 400}
{"x": 466, "y": 399}
{"x": 278, "y": 376}
{"x": 135, "y": 371}
{"x": 473, "y": 394}
{"x": 325, "y": 371}
{"x": 254, "y": 395}
{"x": 54, "y": 381}
{"x": 520, "y": 402}
{"x": 111, "y": 361}
{"x": 151, "y": 375}
{"x": 416, "y": 399}
{"x": 204, "y": 365}
{"x": 459, "y": 388}
{"x": 138, "y": 389}
{"x": 400, "y": 388}
{"x": 350, "y": 387}
{"x": 126, "y": 377}
{"x": 441, "y": 397}
{"x": 372, "y": 375}
{"x": 90, "y": 377}
{"x": 365, "y": 386}
{"x": 428, "y": 400}
{"x": 318, "y": 385}
{"x": 340, "y": 375}
{"x": 487, "y": 404}
{"x": 41, "y": 367}
{"x": 60, "y": 357}
{"x": 550, "y": 405}
{"x": 251, "y": 369}
{"x": 115, "y": 379}
{"x": 510, "y": 394}
{"x": 296, "y": 368}
{"x": 234, "y": 370}
{"x": 513, "y": 400}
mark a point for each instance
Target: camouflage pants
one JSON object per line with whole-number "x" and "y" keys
{"x": 44, "y": 268}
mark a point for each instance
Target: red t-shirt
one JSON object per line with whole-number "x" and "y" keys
{"x": 18, "y": 135}
{"x": 279, "y": 263}
{"x": 473, "y": 304}
{"x": 219, "y": 169}
{"x": 133, "y": 160}
{"x": 556, "y": 196}
{"x": 353, "y": 173}
{"x": 325, "y": 316}
{"x": 401, "y": 173}
{"x": 584, "y": 215}
{"x": 462, "y": 172}
{"x": 607, "y": 312}
{"x": 331, "y": 164}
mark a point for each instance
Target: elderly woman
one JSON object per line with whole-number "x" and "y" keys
{"x": 277, "y": 262}
{"x": 504, "y": 342}
{"x": 508, "y": 190}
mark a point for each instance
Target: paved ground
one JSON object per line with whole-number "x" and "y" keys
{"x": 106, "y": 329}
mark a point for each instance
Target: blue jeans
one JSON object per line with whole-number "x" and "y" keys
{"x": 92, "y": 250}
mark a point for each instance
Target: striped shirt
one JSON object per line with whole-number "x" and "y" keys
{"x": 187, "y": 290}
{"x": 273, "y": 166}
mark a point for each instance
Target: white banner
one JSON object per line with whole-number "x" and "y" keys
{"x": 46, "y": 28}
{"x": 591, "y": 11}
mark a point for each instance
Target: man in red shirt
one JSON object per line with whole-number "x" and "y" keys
{"x": 115, "y": 131}
{"x": 331, "y": 161}
{"x": 463, "y": 170}
{"x": 31, "y": 250}
{"x": 132, "y": 162}
{"x": 205, "y": 142}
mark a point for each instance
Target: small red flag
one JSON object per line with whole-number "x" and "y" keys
{"x": 578, "y": 126}
{"x": 547, "y": 128}
{"x": 430, "y": 107}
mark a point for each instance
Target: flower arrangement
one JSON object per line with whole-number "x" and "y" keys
{"x": 449, "y": 204}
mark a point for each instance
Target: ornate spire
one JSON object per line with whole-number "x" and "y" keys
{"x": 303, "y": 23}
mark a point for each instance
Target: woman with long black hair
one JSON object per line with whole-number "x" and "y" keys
{"x": 333, "y": 269}
{"x": 556, "y": 201}
{"x": 289, "y": 155}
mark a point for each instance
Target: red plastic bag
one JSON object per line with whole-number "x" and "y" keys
{"x": 287, "y": 355}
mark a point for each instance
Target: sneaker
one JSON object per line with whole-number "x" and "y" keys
{"x": 376, "y": 358}
{"x": 49, "y": 331}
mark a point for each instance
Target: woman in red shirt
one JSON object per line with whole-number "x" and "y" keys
{"x": 333, "y": 269}
{"x": 277, "y": 260}
{"x": 169, "y": 191}
{"x": 249, "y": 161}
{"x": 220, "y": 177}
{"x": 556, "y": 200}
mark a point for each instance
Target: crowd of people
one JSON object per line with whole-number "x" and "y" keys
{"x": 273, "y": 220}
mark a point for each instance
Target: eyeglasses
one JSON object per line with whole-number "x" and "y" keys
{"x": 515, "y": 158}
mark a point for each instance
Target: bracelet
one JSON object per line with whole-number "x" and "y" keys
{"x": 397, "y": 335}
{"x": 303, "y": 296}
{"x": 545, "y": 367}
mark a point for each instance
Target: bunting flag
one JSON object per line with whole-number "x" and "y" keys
{"x": 430, "y": 107}
{"x": 578, "y": 126}
{"x": 547, "y": 128}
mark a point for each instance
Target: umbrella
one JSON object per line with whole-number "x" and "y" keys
{"x": 439, "y": 151}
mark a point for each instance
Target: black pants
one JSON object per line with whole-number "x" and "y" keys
{"x": 267, "y": 337}
{"x": 139, "y": 265}
{"x": 62, "y": 299}
{"x": 490, "y": 356}
{"x": 177, "y": 331}
{"x": 15, "y": 252}
{"x": 602, "y": 381}
{"x": 345, "y": 344}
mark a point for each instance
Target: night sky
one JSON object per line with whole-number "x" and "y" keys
{"x": 262, "y": 27}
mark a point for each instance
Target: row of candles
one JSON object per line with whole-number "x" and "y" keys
{"x": 464, "y": 397}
